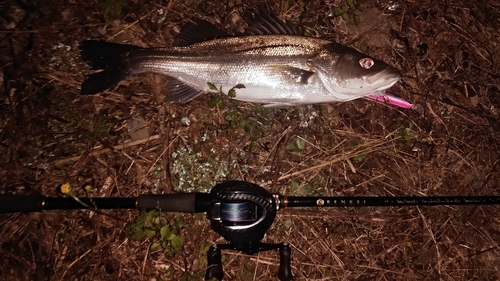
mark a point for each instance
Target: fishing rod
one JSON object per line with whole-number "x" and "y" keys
{"x": 239, "y": 211}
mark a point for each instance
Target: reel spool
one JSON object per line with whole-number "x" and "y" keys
{"x": 242, "y": 213}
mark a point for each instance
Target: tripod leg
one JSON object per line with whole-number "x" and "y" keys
{"x": 285, "y": 271}
{"x": 214, "y": 269}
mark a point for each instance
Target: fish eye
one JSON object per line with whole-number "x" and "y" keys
{"x": 366, "y": 63}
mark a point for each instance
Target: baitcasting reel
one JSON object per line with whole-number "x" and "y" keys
{"x": 242, "y": 213}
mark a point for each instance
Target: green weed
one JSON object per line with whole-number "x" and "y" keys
{"x": 115, "y": 6}
{"x": 156, "y": 226}
{"x": 407, "y": 135}
{"x": 198, "y": 172}
{"x": 350, "y": 9}
{"x": 357, "y": 158}
{"x": 307, "y": 22}
{"x": 253, "y": 124}
{"x": 297, "y": 145}
{"x": 309, "y": 189}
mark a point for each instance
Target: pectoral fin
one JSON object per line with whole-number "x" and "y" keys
{"x": 293, "y": 74}
{"x": 180, "y": 92}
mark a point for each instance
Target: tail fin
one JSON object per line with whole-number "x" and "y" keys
{"x": 111, "y": 58}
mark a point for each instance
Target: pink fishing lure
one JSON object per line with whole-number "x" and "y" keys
{"x": 391, "y": 98}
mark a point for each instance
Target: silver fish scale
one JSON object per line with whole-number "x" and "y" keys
{"x": 261, "y": 63}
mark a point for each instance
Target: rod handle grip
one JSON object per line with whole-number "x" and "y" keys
{"x": 180, "y": 202}
{"x": 214, "y": 269}
{"x": 285, "y": 270}
{"x": 21, "y": 203}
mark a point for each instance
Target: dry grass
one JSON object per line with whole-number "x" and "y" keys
{"x": 448, "y": 145}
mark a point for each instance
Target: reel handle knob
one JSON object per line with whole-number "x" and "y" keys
{"x": 214, "y": 269}
{"x": 285, "y": 271}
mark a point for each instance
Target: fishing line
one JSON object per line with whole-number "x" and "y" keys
{"x": 235, "y": 211}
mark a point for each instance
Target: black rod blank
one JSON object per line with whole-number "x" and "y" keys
{"x": 386, "y": 201}
{"x": 201, "y": 202}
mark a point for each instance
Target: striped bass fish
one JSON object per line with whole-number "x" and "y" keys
{"x": 276, "y": 66}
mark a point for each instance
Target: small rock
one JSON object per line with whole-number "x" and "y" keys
{"x": 137, "y": 128}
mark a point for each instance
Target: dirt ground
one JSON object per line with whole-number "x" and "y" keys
{"x": 129, "y": 141}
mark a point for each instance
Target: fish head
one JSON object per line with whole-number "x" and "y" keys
{"x": 351, "y": 74}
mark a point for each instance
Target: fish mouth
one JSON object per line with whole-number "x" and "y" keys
{"x": 364, "y": 85}
{"x": 385, "y": 79}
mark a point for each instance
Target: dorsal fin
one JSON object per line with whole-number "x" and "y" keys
{"x": 201, "y": 30}
{"x": 269, "y": 24}
{"x": 198, "y": 31}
